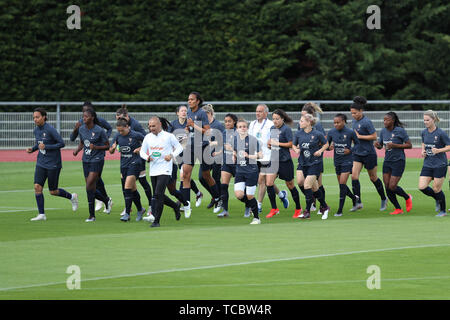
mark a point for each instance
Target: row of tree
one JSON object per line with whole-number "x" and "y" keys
{"x": 161, "y": 50}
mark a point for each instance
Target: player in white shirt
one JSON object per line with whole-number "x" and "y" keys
{"x": 159, "y": 148}
{"x": 260, "y": 128}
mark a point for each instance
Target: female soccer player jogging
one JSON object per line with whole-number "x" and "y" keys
{"x": 129, "y": 144}
{"x": 281, "y": 164}
{"x": 93, "y": 142}
{"x": 228, "y": 168}
{"x": 246, "y": 151}
{"x": 48, "y": 163}
{"x": 340, "y": 140}
{"x": 435, "y": 144}
{"x": 364, "y": 153}
{"x": 311, "y": 144}
{"x": 394, "y": 139}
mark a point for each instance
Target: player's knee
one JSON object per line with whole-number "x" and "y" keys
{"x": 37, "y": 188}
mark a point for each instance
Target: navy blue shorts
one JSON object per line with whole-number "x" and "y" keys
{"x": 321, "y": 166}
{"x": 395, "y": 168}
{"x": 142, "y": 165}
{"x": 343, "y": 168}
{"x": 370, "y": 161}
{"x": 434, "y": 172}
{"x": 189, "y": 157}
{"x": 313, "y": 170}
{"x": 93, "y": 167}
{"x": 230, "y": 168}
{"x": 250, "y": 179}
{"x": 286, "y": 170}
{"x": 41, "y": 175}
{"x": 131, "y": 171}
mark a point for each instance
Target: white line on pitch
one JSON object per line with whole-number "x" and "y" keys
{"x": 233, "y": 264}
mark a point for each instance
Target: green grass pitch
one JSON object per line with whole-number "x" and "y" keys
{"x": 209, "y": 258}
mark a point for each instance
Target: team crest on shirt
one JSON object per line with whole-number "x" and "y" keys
{"x": 43, "y": 134}
{"x": 393, "y": 135}
{"x": 93, "y": 134}
{"x": 130, "y": 139}
{"x": 435, "y": 137}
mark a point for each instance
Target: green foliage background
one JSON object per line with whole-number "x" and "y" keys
{"x": 160, "y": 50}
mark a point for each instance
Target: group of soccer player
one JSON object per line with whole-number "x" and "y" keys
{"x": 255, "y": 154}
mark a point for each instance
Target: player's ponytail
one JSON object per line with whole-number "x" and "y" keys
{"x": 433, "y": 115}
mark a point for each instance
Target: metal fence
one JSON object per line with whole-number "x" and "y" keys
{"x": 16, "y": 128}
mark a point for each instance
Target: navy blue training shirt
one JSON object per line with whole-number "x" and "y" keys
{"x": 398, "y": 135}
{"x": 136, "y": 126}
{"x": 436, "y": 139}
{"x": 50, "y": 157}
{"x": 342, "y": 139}
{"x": 200, "y": 118}
{"x": 127, "y": 144}
{"x": 282, "y": 134}
{"x": 309, "y": 142}
{"x": 178, "y": 129}
{"x": 96, "y": 136}
{"x": 364, "y": 127}
{"x": 249, "y": 144}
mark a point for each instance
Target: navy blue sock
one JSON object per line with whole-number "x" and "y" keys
{"x": 429, "y": 192}
{"x": 309, "y": 199}
{"x": 128, "y": 200}
{"x": 319, "y": 196}
{"x": 186, "y": 192}
{"x": 321, "y": 188}
{"x": 253, "y": 204}
{"x": 356, "y": 186}
{"x": 349, "y": 193}
{"x": 101, "y": 187}
{"x": 91, "y": 202}
{"x": 342, "y": 195}
{"x": 224, "y": 195}
{"x": 64, "y": 194}
{"x": 100, "y": 196}
{"x": 40, "y": 203}
{"x": 401, "y": 193}
{"x": 215, "y": 191}
{"x": 393, "y": 198}
{"x": 296, "y": 197}
{"x": 441, "y": 198}
{"x": 302, "y": 189}
{"x": 271, "y": 193}
{"x": 194, "y": 187}
{"x": 137, "y": 200}
{"x": 380, "y": 189}
{"x": 205, "y": 185}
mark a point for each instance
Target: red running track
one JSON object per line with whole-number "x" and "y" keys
{"x": 66, "y": 154}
